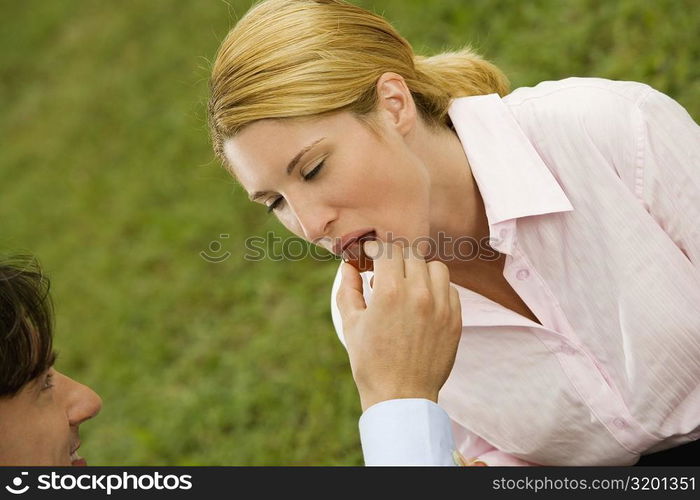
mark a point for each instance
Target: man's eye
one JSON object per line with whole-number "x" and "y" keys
{"x": 48, "y": 382}
{"x": 275, "y": 204}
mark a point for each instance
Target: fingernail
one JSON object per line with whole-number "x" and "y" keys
{"x": 423, "y": 248}
{"x": 371, "y": 249}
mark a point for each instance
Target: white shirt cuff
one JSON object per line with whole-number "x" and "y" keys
{"x": 406, "y": 432}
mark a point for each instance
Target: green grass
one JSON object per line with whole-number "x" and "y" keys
{"x": 107, "y": 175}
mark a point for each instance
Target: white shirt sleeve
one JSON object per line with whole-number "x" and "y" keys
{"x": 406, "y": 432}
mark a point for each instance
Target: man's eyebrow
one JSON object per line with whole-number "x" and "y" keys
{"x": 51, "y": 361}
{"x": 37, "y": 383}
{"x": 292, "y": 164}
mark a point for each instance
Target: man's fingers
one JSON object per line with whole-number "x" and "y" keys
{"x": 349, "y": 298}
{"x": 439, "y": 280}
{"x": 416, "y": 268}
{"x": 455, "y": 303}
{"x": 388, "y": 263}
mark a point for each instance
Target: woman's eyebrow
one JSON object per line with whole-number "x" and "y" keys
{"x": 300, "y": 154}
{"x": 290, "y": 168}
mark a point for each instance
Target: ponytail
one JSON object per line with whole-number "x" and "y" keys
{"x": 443, "y": 77}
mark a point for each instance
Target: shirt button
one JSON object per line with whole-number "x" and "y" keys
{"x": 522, "y": 274}
{"x": 620, "y": 423}
{"x": 503, "y": 233}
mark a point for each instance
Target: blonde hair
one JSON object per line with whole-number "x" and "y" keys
{"x": 294, "y": 58}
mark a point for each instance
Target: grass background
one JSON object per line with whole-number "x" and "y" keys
{"x": 107, "y": 175}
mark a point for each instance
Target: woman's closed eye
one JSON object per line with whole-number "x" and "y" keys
{"x": 315, "y": 171}
{"x": 277, "y": 202}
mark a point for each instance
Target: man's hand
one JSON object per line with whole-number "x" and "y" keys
{"x": 402, "y": 345}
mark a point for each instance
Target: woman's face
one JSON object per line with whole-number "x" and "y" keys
{"x": 342, "y": 176}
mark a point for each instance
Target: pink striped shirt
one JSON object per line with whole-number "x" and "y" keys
{"x": 592, "y": 190}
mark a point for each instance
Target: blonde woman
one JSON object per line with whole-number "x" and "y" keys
{"x": 577, "y": 299}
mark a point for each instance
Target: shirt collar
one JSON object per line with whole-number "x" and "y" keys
{"x": 512, "y": 177}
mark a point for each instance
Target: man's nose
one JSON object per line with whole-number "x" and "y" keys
{"x": 82, "y": 402}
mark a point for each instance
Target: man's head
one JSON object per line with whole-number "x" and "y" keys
{"x": 40, "y": 408}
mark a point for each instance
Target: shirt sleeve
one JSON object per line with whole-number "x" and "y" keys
{"x": 668, "y": 162}
{"x": 406, "y": 432}
{"x": 419, "y": 432}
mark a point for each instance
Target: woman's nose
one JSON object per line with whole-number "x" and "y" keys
{"x": 313, "y": 220}
{"x": 82, "y": 402}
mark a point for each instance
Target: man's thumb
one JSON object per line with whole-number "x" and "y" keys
{"x": 349, "y": 297}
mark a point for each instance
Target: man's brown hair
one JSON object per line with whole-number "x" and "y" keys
{"x": 26, "y": 323}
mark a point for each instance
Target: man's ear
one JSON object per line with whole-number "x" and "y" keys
{"x": 394, "y": 99}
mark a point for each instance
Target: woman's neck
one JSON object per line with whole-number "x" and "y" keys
{"x": 456, "y": 207}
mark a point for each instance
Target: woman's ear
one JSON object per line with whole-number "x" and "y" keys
{"x": 395, "y": 100}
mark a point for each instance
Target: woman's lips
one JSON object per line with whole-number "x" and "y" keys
{"x": 340, "y": 244}
{"x": 355, "y": 256}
